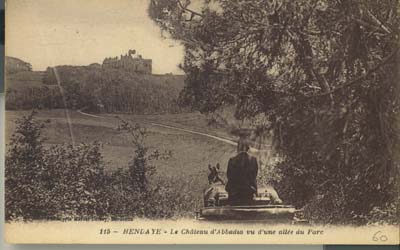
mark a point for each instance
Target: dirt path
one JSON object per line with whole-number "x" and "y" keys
{"x": 87, "y": 114}
{"x": 172, "y": 127}
{"x": 195, "y": 132}
{"x": 233, "y": 143}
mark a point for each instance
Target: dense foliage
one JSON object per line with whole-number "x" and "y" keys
{"x": 324, "y": 74}
{"x": 43, "y": 97}
{"x": 66, "y": 182}
{"x": 24, "y": 193}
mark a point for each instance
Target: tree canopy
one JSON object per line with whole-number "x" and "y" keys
{"x": 324, "y": 73}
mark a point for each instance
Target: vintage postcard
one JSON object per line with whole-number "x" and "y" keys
{"x": 202, "y": 121}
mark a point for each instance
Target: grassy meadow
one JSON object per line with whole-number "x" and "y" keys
{"x": 191, "y": 153}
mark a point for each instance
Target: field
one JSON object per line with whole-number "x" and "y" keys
{"x": 191, "y": 153}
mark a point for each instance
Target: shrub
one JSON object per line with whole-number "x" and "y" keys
{"x": 163, "y": 199}
{"x": 63, "y": 181}
{"x": 75, "y": 181}
{"x": 387, "y": 213}
{"x": 68, "y": 182}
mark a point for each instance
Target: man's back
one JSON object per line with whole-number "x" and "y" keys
{"x": 242, "y": 176}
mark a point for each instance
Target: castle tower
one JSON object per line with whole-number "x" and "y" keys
{"x": 129, "y": 63}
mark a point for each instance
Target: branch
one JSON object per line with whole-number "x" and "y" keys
{"x": 379, "y": 22}
{"x": 194, "y": 13}
{"x": 358, "y": 79}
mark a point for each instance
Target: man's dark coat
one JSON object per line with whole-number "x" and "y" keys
{"x": 242, "y": 178}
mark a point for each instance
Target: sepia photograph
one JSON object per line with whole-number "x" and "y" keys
{"x": 202, "y": 121}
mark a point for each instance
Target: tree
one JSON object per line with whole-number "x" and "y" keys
{"x": 141, "y": 167}
{"x": 24, "y": 195}
{"x": 324, "y": 74}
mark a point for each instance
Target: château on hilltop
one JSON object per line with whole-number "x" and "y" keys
{"x": 129, "y": 62}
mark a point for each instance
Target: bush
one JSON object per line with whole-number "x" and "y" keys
{"x": 75, "y": 181}
{"x": 163, "y": 199}
{"x": 388, "y": 213}
{"x": 68, "y": 182}
{"x": 62, "y": 181}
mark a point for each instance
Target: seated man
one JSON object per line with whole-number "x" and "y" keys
{"x": 242, "y": 176}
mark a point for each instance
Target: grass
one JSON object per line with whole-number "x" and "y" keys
{"x": 191, "y": 153}
{"x": 193, "y": 121}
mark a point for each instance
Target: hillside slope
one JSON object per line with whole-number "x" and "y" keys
{"x": 15, "y": 65}
{"x": 94, "y": 89}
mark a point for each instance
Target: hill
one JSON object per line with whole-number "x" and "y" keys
{"x": 94, "y": 88}
{"x": 15, "y": 65}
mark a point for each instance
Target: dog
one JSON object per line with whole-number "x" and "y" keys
{"x": 216, "y": 186}
{"x": 213, "y": 176}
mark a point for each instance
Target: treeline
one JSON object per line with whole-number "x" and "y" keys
{"x": 35, "y": 97}
{"x": 97, "y": 89}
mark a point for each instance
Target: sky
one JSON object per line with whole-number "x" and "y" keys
{"x": 80, "y": 32}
